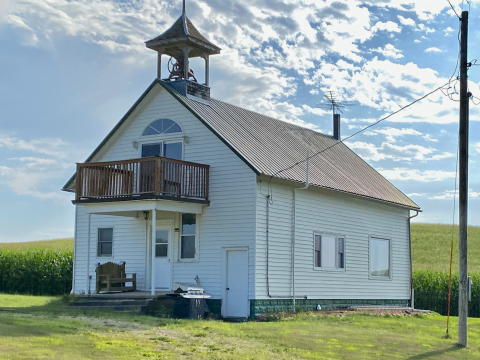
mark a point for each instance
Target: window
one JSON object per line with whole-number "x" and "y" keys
{"x": 172, "y": 150}
{"x": 161, "y": 243}
{"x": 329, "y": 252}
{"x": 162, "y": 126}
{"x": 379, "y": 258}
{"x": 187, "y": 246}
{"x": 105, "y": 242}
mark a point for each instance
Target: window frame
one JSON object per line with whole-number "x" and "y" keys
{"x": 197, "y": 232}
{"x": 98, "y": 241}
{"x": 163, "y": 134}
{"x": 336, "y": 236}
{"x": 162, "y": 143}
{"x": 390, "y": 268}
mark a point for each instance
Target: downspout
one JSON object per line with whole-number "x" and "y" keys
{"x": 294, "y": 231}
{"x": 410, "y": 253}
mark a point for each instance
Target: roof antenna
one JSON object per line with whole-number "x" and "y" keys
{"x": 183, "y": 7}
{"x": 334, "y": 103}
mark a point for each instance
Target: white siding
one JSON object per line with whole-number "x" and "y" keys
{"x": 228, "y": 221}
{"x": 334, "y": 213}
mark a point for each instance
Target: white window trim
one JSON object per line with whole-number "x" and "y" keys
{"x": 197, "y": 237}
{"x": 380, "y": 278}
{"x": 151, "y": 122}
{"x": 113, "y": 242}
{"x": 336, "y": 236}
{"x": 161, "y": 142}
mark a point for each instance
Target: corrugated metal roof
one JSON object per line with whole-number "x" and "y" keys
{"x": 269, "y": 145}
{"x": 272, "y": 145}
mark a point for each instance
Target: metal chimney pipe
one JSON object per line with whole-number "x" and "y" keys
{"x": 336, "y": 126}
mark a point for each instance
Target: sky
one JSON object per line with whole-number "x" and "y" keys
{"x": 71, "y": 69}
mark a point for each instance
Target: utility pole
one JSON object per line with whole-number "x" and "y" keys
{"x": 463, "y": 187}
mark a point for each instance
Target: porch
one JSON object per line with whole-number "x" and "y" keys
{"x": 143, "y": 178}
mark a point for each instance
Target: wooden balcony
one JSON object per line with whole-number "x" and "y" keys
{"x": 152, "y": 177}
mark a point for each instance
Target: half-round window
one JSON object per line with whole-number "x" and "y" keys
{"x": 162, "y": 126}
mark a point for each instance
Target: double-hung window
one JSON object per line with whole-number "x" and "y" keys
{"x": 105, "y": 242}
{"x": 380, "y": 266}
{"x": 187, "y": 242}
{"x": 329, "y": 252}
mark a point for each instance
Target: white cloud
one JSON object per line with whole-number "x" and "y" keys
{"x": 406, "y": 21}
{"x": 389, "y": 151}
{"x": 433, "y": 49}
{"x": 392, "y": 133}
{"x": 448, "y": 31}
{"x": 416, "y": 41}
{"x": 406, "y": 174}
{"x": 388, "y": 26}
{"x": 389, "y": 51}
{"x": 477, "y": 147}
{"x": 450, "y": 194}
{"x": 51, "y": 147}
{"x": 34, "y": 176}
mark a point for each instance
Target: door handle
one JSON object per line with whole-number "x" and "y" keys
{"x": 228, "y": 288}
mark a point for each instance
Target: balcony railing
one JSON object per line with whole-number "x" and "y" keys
{"x": 152, "y": 176}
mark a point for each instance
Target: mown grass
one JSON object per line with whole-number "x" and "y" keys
{"x": 48, "y": 328}
{"x": 60, "y": 245}
{"x": 431, "y": 247}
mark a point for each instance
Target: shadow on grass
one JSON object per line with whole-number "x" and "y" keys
{"x": 432, "y": 354}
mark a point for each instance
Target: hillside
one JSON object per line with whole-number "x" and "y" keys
{"x": 431, "y": 247}
{"x": 56, "y": 244}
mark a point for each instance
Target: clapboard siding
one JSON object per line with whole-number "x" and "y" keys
{"x": 229, "y": 221}
{"x": 334, "y": 213}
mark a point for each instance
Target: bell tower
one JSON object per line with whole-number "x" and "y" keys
{"x": 182, "y": 41}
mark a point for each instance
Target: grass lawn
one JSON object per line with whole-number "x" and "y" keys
{"x": 431, "y": 247}
{"x": 56, "y": 244}
{"x": 45, "y": 328}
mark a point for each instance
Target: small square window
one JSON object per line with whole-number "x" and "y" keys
{"x": 105, "y": 242}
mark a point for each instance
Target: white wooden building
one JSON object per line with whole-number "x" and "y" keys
{"x": 226, "y": 191}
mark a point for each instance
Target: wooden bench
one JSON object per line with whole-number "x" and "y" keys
{"x": 112, "y": 277}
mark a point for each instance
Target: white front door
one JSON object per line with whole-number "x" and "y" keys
{"x": 162, "y": 257}
{"x": 237, "y": 283}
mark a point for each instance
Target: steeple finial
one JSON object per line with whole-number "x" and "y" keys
{"x": 183, "y": 7}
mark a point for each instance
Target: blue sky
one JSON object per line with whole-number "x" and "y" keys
{"x": 71, "y": 69}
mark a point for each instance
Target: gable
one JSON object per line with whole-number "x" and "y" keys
{"x": 155, "y": 103}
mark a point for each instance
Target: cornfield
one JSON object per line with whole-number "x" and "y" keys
{"x": 41, "y": 272}
{"x": 431, "y": 292}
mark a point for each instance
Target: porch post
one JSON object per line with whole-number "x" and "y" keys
{"x": 154, "y": 239}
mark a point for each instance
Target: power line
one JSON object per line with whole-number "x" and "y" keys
{"x": 453, "y": 9}
{"x": 358, "y": 132}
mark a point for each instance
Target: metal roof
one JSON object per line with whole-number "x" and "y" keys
{"x": 272, "y": 145}
{"x": 268, "y": 146}
{"x": 182, "y": 28}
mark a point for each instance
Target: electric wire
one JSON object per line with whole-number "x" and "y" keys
{"x": 358, "y": 132}
{"x": 453, "y": 9}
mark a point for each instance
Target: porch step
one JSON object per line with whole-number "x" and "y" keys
{"x": 101, "y": 303}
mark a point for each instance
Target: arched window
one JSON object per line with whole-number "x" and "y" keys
{"x": 162, "y": 126}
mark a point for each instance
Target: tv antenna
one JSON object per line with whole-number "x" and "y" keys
{"x": 332, "y": 102}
